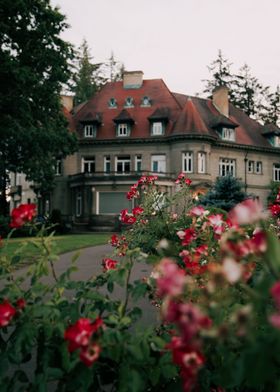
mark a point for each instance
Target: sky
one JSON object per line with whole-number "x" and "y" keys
{"x": 175, "y": 40}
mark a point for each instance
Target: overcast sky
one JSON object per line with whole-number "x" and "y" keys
{"x": 176, "y": 39}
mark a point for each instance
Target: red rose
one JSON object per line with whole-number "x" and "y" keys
{"x": 7, "y": 312}
{"x": 90, "y": 354}
{"x": 22, "y": 214}
{"x": 109, "y": 264}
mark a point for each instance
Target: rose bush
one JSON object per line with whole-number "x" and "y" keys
{"x": 215, "y": 285}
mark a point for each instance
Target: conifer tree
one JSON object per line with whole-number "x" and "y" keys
{"x": 272, "y": 114}
{"x": 88, "y": 77}
{"x": 226, "y": 193}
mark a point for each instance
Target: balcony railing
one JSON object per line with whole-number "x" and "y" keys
{"x": 114, "y": 175}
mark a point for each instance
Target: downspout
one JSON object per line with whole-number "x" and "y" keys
{"x": 245, "y": 171}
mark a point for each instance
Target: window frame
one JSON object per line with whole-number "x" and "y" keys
{"x": 251, "y": 167}
{"x": 138, "y": 161}
{"x": 107, "y": 164}
{"x": 228, "y": 134}
{"x": 187, "y": 162}
{"x": 123, "y": 160}
{"x": 157, "y": 128}
{"x": 90, "y": 127}
{"x": 58, "y": 167}
{"x": 88, "y": 161}
{"x": 201, "y": 162}
{"x": 276, "y": 172}
{"x": 227, "y": 163}
{"x": 257, "y": 171}
{"x": 161, "y": 163}
{"x": 78, "y": 204}
{"x": 121, "y": 127}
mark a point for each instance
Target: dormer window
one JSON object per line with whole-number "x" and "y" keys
{"x": 123, "y": 129}
{"x": 112, "y": 103}
{"x": 157, "y": 128}
{"x": 228, "y": 134}
{"x": 129, "y": 102}
{"x": 90, "y": 130}
{"x": 276, "y": 141}
{"x": 146, "y": 102}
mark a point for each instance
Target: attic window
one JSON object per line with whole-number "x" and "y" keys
{"x": 146, "y": 101}
{"x": 123, "y": 129}
{"x": 276, "y": 141}
{"x": 90, "y": 130}
{"x": 129, "y": 102}
{"x": 112, "y": 103}
{"x": 157, "y": 128}
{"x": 228, "y": 134}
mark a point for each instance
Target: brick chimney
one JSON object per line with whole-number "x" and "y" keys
{"x": 220, "y": 100}
{"x": 133, "y": 79}
{"x": 67, "y": 101}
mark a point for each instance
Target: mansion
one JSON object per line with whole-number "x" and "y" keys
{"x": 135, "y": 127}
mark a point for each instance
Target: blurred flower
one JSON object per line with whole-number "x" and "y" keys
{"x": 79, "y": 334}
{"x": 20, "y": 303}
{"x": 137, "y": 210}
{"x": 90, "y": 354}
{"x": 247, "y": 212}
{"x": 127, "y": 218}
{"x": 22, "y": 214}
{"x": 7, "y": 312}
{"x": 232, "y": 270}
{"x": 109, "y": 264}
{"x": 171, "y": 278}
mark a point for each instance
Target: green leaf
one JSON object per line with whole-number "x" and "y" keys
{"x": 139, "y": 290}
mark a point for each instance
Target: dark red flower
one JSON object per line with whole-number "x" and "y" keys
{"x": 127, "y": 218}
{"x": 114, "y": 240}
{"x": 22, "y": 214}
{"x": 275, "y": 209}
{"x": 90, "y": 354}
{"x": 109, "y": 264}
{"x": 20, "y": 303}
{"x": 137, "y": 210}
{"x": 189, "y": 236}
{"x": 7, "y": 312}
{"x": 79, "y": 334}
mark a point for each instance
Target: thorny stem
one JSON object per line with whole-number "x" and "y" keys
{"x": 126, "y": 286}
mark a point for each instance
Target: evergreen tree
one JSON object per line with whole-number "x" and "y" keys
{"x": 113, "y": 69}
{"x": 88, "y": 77}
{"x": 220, "y": 71}
{"x": 249, "y": 94}
{"x": 226, "y": 193}
{"x": 272, "y": 114}
{"x": 33, "y": 68}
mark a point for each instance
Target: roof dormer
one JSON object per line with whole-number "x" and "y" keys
{"x": 90, "y": 123}
{"x": 158, "y": 121}
{"x": 272, "y": 134}
{"x": 124, "y": 123}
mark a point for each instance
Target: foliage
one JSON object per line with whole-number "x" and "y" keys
{"x": 89, "y": 77}
{"x": 215, "y": 284}
{"x": 225, "y": 194}
{"x": 33, "y": 67}
{"x": 245, "y": 90}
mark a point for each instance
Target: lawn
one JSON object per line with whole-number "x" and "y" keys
{"x": 62, "y": 244}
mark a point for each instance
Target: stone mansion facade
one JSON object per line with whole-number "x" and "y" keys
{"x": 137, "y": 126}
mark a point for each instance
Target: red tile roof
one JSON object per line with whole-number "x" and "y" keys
{"x": 184, "y": 115}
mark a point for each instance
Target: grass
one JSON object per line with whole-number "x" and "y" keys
{"x": 62, "y": 244}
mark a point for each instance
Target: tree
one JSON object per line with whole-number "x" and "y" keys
{"x": 272, "y": 114}
{"x": 115, "y": 68}
{"x": 226, "y": 193}
{"x": 220, "y": 70}
{"x": 88, "y": 77}
{"x": 34, "y": 65}
{"x": 249, "y": 94}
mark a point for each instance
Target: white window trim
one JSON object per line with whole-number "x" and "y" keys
{"x": 78, "y": 206}
{"x": 123, "y": 160}
{"x": 228, "y": 134}
{"x": 258, "y": 171}
{"x": 122, "y": 130}
{"x": 157, "y": 128}
{"x": 89, "y": 131}
{"x": 276, "y": 172}
{"x": 227, "y": 163}
{"x": 161, "y": 160}
{"x": 88, "y": 160}
{"x": 137, "y": 160}
{"x": 107, "y": 159}
{"x": 276, "y": 141}
{"x": 58, "y": 165}
{"x": 251, "y": 169}
{"x": 187, "y": 162}
{"x": 201, "y": 162}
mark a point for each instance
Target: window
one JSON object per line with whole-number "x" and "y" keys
{"x": 187, "y": 162}
{"x": 123, "y": 129}
{"x": 138, "y": 163}
{"x": 107, "y": 164}
{"x": 277, "y": 141}
{"x": 112, "y": 103}
{"x": 251, "y": 166}
{"x": 111, "y": 202}
{"x": 258, "y": 167}
{"x": 79, "y": 204}
{"x": 227, "y": 167}
{"x": 157, "y": 128}
{"x": 58, "y": 167}
{"x": 276, "y": 172}
{"x": 228, "y": 134}
{"x": 88, "y": 165}
{"x": 123, "y": 164}
{"x": 90, "y": 130}
{"x": 129, "y": 102}
{"x": 158, "y": 163}
{"x": 146, "y": 101}
{"x": 201, "y": 162}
